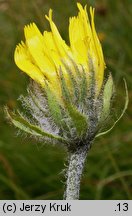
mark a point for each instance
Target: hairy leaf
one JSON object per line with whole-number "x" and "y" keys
{"x": 123, "y": 111}
{"x": 107, "y": 95}
{"x": 54, "y": 107}
{"x": 79, "y": 120}
{"x": 19, "y": 121}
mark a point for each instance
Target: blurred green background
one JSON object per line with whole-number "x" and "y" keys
{"x": 29, "y": 170}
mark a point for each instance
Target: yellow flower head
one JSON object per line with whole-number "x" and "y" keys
{"x": 42, "y": 55}
{"x": 69, "y": 103}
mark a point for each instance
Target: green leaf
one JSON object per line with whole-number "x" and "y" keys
{"x": 107, "y": 95}
{"x": 78, "y": 119}
{"x": 123, "y": 111}
{"x": 64, "y": 88}
{"x": 73, "y": 82}
{"x": 83, "y": 86}
{"x": 54, "y": 107}
{"x": 19, "y": 121}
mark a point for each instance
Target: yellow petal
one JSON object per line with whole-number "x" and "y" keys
{"x": 34, "y": 41}
{"x": 86, "y": 28}
{"x": 58, "y": 41}
{"x": 24, "y": 61}
{"x": 77, "y": 40}
{"x": 50, "y": 49}
{"x": 80, "y": 35}
{"x": 99, "y": 52}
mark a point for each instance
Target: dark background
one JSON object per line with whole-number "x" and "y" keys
{"x": 29, "y": 170}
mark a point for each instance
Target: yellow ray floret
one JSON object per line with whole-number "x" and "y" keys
{"x": 60, "y": 44}
{"x": 34, "y": 41}
{"x": 99, "y": 52}
{"x": 84, "y": 42}
{"x": 24, "y": 61}
{"x": 51, "y": 50}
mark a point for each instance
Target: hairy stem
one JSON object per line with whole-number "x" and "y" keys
{"x": 74, "y": 173}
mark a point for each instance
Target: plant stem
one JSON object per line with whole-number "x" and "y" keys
{"x": 74, "y": 172}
